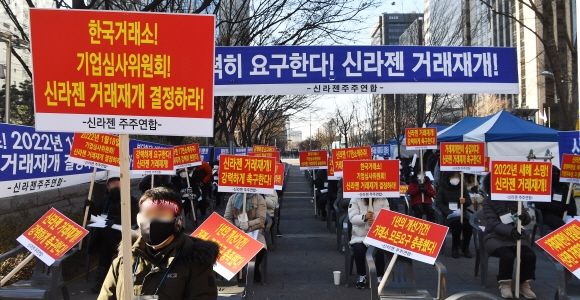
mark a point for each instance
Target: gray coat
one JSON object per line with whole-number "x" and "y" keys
{"x": 498, "y": 234}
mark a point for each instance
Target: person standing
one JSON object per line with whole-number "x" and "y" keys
{"x": 422, "y": 192}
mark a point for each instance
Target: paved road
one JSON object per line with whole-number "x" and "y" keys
{"x": 301, "y": 265}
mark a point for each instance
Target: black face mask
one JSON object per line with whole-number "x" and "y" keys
{"x": 156, "y": 232}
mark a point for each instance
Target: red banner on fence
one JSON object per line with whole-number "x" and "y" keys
{"x": 52, "y": 236}
{"x": 521, "y": 181}
{"x": 96, "y": 150}
{"x": 570, "y": 168}
{"x": 186, "y": 156}
{"x": 274, "y": 154}
{"x": 246, "y": 174}
{"x": 463, "y": 157}
{"x": 236, "y": 247}
{"x": 279, "y": 177}
{"x": 563, "y": 245}
{"x": 153, "y": 161}
{"x": 420, "y": 138}
{"x": 263, "y": 148}
{"x": 313, "y": 160}
{"x": 407, "y": 236}
{"x": 123, "y": 72}
{"x": 371, "y": 179}
{"x": 340, "y": 155}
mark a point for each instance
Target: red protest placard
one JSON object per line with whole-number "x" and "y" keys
{"x": 274, "y": 154}
{"x": 279, "y": 177}
{"x": 521, "y": 181}
{"x": 371, "y": 179}
{"x": 153, "y": 161}
{"x": 263, "y": 148}
{"x": 246, "y": 174}
{"x": 340, "y": 155}
{"x": 407, "y": 236}
{"x": 52, "y": 236}
{"x": 420, "y": 138}
{"x": 237, "y": 248}
{"x": 570, "y": 168}
{"x": 313, "y": 160}
{"x": 123, "y": 72}
{"x": 331, "y": 175}
{"x": 403, "y": 188}
{"x": 96, "y": 150}
{"x": 563, "y": 245}
{"x": 186, "y": 156}
{"x": 464, "y": 157}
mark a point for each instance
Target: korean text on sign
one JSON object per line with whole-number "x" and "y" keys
{"x": 52, "y": 236}
{"x": 246, "y": 174}
{"x": 186, "y": 156}
{"x": 521, "y": 181}
{"x": 331, "y": 175}
{"x": 153, "y": 161}
{"x": 420, "y": 138}
{"x": 123, "y": 73}
{"x": 407, "y": 236}
{"x": 236, "y": 247}
{"x": 371, "y": 179}
{"x": 96, "y": 150}
{"x": 340, "y": 155}
{"x": 563, "y": 245}
{"x": 274, "y": 154}
{"x": 313, "y": 160}
{"x": 464, "y": 157}
{"x": 263, "y": 148}
{"x": 279, "y": 177}
{"x": 570, "y": 168}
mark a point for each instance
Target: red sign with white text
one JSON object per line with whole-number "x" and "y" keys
{"x": 246, "y": 174}
{"x": 123, "y": 72}
{"x": 313, "y": 160}
{"x": 96, "y": 150}
{"x": 371, "y": 179}
{"x": 570, "y": 168}
{"x": 153, "y": 161}
{"x": 563, "y": 244}
{"x": 521, "y": 181}
{"x": 186, "y": 156}
{"x": 237, "y": 248}
{"x": 274, "y": 154}
{"x": 52, "y": 236}
{"x": 420, "y": 138}
{"x": 340, "y": 155}
{"x": 462, "y": 157}
{"x": 279, "y": 177}
{"x": 407, "y": 236}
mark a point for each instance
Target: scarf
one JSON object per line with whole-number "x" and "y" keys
{"x": 239, "y": 202}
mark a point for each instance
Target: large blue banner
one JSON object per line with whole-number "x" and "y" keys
{"x": 569, "y": 142}
{"x": 225, "y": 150}
{"x": 33, "y": 161}
{"x": 284, "y": 70}
{"x": 204, "y": 152}
{"x": 381, "y": 150}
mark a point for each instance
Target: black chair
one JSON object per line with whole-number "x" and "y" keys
{"x": 473, "y": 295}
{"x": 566, "y": 291}
{"x": 46, "y": 281}
{"x": 481, "y": 255}
{"x": 237, "y": 289}
{"x": 402, "y": 283}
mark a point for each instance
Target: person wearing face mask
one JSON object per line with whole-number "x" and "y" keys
{"x": 501, "y": 235}
{"x": 187, "y": 192}
{"x": 422, "y": 192}
{"x": 553, "y": 211}
{"x": 449, "y": 202}
{"x": 252, "y": 219}
{"x": 105, "y": 240}
{"x": 167, "y": 263}
{"x": 202, "y": 177}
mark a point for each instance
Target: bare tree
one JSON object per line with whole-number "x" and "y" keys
{"x": 344, "y": 121}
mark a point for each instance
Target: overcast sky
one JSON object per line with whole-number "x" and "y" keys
{"x": 325, "y": 107}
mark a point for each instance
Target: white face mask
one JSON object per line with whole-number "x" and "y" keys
{"x": 183, "y": 174}
{"x": 454, "y": 181}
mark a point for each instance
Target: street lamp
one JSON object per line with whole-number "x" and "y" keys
{"x": 11, "y": 41}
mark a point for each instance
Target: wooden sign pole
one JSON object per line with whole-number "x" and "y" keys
{"x": 461, "y": 204}
{"x": 422, "y": 180}
{"x": 152, "y": 181}
{"x": 568, "y": 199}
{"x": 190, "y": 196}
{"x": 88, "y": 204}
{"x": 518, "y": 253}
{"x": 21, "y": 265}
{"x": 387, "y": 273}
{"x": 126, "y": 240}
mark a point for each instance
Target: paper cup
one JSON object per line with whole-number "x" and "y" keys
{"x": 336, "y": 277}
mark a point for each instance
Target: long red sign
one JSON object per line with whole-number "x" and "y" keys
{"x": 371, "y": 179}
{"x": 521, "y": 181}
{"x": 340, "y": 155}
{"x": 313, "y": 160}
{"x": 246, "y": 174}
{"x": 563, "y": 245}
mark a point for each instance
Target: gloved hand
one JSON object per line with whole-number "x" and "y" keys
{"x": 522, "y": 217}
{"x": 244, "y": 226}
{"x": 422, "y": 188}
{"x": 516, "y": 235}
{"x": 109, "y": 223}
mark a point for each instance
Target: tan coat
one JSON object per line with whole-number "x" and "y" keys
{"x": 256, "y": 216}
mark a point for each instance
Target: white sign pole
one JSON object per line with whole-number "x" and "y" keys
{"x": 518, "y": 253}
{"x": 152, "y": 181}
{"x": 461, "y": 197}
{"x": 190, "y": 196}
{"x": 88, "y": 205}
{"x": 387, "y": 273}
{"x": 126, "y": 241}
